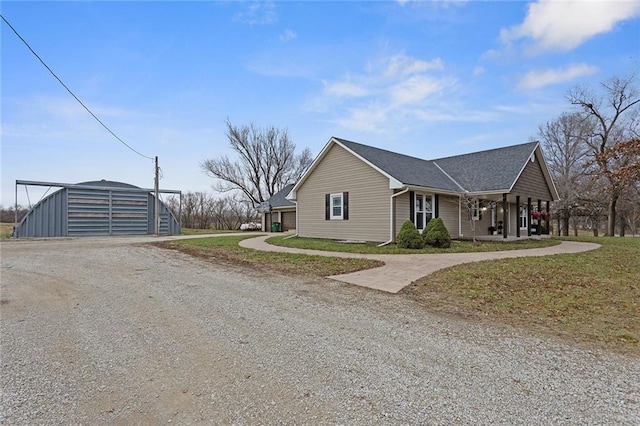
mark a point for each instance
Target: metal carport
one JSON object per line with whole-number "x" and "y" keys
{"x": 96, "y": 208}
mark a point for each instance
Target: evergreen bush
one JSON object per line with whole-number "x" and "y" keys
{"x": 436, "y": 234}
{"x": 409, "y": 237}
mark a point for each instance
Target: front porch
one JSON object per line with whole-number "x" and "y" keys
{"x": 509, "y": 217}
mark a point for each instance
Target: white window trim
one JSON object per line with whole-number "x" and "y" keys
{"x": 424, "y": 211}
{"x": 523, "y": 215}
{"x": 332, "y": 205}
{"x": 475, "y": 210}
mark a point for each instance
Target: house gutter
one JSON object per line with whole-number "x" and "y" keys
{"x": 391, "y": 216}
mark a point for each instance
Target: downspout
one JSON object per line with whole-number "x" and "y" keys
{"x": 391, "y": 216}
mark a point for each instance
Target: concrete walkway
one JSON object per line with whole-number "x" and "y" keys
{"x": 400, "y": 270}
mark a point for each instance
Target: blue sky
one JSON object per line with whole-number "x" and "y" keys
{"x": 428, "y": 79}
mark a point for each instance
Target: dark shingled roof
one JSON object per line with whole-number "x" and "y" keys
{"x": 279, "y": 199}
{"x": 495, "y": 169}
{"x": 406, "y": 169}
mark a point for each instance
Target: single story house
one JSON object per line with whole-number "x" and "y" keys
{"x": 279, "y": 209}
{"x": 358, "y": 192}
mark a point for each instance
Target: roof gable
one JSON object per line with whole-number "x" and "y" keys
{"x": 494, "y": 170}
{"x": 491, "y": 170}
{"x": 405, "y": 169}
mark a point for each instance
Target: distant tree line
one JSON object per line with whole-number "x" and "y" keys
{"x": 206, "y": 211}
{"x": 7, "y": 214}
{"x": 593, "y": 152}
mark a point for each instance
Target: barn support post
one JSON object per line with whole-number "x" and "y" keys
{"x": 180, "y": 211}
{"x": 157, "y": 200}
{"x": 15, "y": 213}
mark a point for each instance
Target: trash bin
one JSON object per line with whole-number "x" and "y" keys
{"x": 275, "y": 226}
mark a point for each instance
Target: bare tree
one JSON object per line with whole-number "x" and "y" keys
{"x": 564, "y": 144}
{"x": 267, "y": 162}
{"x": 472, "y": 202}
{"x": 614, "y": 114}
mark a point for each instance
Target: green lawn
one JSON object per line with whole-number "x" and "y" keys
{"x": 194, "y": 231}
{"x": 591, "y": 297}
{"x": 6, "y": 229}
{"x": 226, "y": 249}
{"x": 372, "y": 248}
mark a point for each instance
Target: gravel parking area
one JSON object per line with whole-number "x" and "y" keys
{"x": 98, "y": 331}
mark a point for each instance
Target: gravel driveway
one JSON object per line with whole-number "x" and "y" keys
{"x": 99, "y": 331}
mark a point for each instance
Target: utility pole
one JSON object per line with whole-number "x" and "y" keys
{"x": 157, "y": 201}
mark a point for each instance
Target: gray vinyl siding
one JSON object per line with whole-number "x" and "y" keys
{"x": 481, "y": 226}
{"x": 402, "y": 210}
{"x": 448, "y": 211}
{"x": 369, "y": 198}
{"x": 532, "y": 184}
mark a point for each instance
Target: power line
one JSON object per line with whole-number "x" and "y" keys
{"x": 70, "y": 92}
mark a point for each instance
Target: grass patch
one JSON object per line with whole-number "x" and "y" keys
{"x": 194, "y": 231}
{"x": 372, "y": 248}
{"x": 6, "y": 229}
{"x": 226, "y": 249}
{"x": 591, "y": 297}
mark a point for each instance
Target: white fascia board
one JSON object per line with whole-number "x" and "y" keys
{"x": 537, "y": 152}
{"x": 492, "y": 192}
{"x": 395, "y": 184}
{"x": 546, "y": 173}
{"x": 292, "y": 195}
{"x": 521, "y": 170}
{"x": 432, "y": 190}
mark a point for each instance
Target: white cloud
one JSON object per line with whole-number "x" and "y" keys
{"x": 560, "y": 25}
{"x": 345, "y": 89}
{"x": 540, "y": 78}
{"x": 365, "y": 119}
{"x": 478, "y": 71}
{"x": 417, "y": 89}
{"x": 258, "y": 13}
{"x": 391, "y": 92}
{"x": 404, "y": 65}
{"x": 288, "y": 35}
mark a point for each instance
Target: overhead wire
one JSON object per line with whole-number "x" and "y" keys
{"x": 69, "y": 90}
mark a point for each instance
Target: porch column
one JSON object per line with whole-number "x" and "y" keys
{"x": 518, "y": 216}
{"x": 528, "y": 216}
{"x": 547, "y": 221}
{"x": 504, "y": 215}
{"x": 539, "y": 227}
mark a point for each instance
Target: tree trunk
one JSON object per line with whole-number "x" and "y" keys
{"x": 623, "y": 225}
{"x": 565, "y": 225}
{"x": 611, "y": 221}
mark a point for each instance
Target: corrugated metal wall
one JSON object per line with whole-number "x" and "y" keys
{"x": 107, "y": 212}
{"x": 48, "y": 218}
{"x": 168, "y": 223}
{"x": 77, "y": 212}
